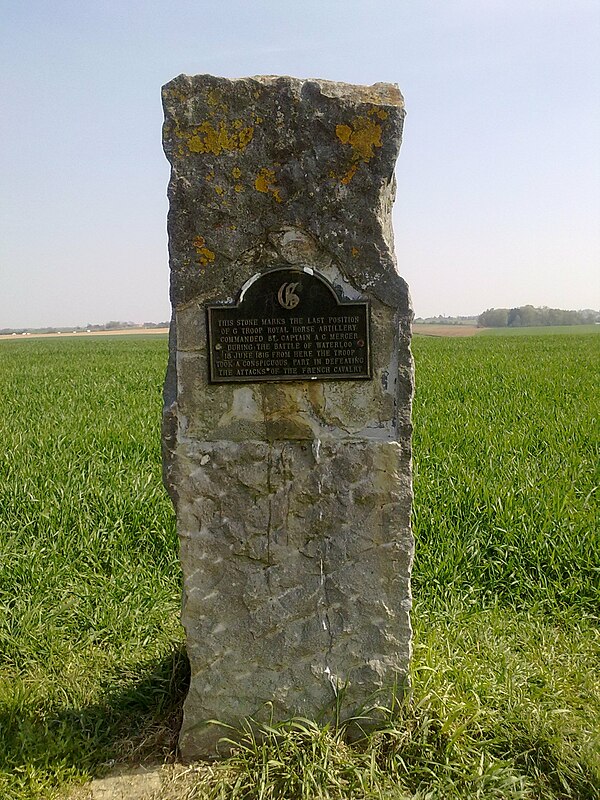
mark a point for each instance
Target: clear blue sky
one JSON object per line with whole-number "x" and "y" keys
{"x": 498, "y": 178}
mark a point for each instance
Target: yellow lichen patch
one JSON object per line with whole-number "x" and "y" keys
{"x": 238, "y": 187}
{"x": 266, "y": 182}
{"x": 219, "y": 190}
{"x": 362, "y": 135}
{"x": 355, "y": 252}
{"x": 245, "y": 136}
{"x": 261, "y": 184}
{"x": 378, "y": 112}
{"x": 365, "y": 135}
{"x": 343, "y": 132}
{"x": 345, "y": 179}
{"x": 216, "y": 139}
{"x": 236, "y": 173}
{"x": 205, "y": 256}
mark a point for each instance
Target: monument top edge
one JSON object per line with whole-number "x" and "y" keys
{"x": 381, "y": 92}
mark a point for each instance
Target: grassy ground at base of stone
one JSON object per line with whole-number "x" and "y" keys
{"x": 505, "y": 699}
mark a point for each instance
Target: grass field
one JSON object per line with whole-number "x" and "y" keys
{"x": 547, "y": 330}
{"x": 506, "y": 695}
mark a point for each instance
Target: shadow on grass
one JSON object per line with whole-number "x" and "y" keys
{"x": 139, "y": 724}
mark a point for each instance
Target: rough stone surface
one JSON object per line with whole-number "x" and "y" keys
{"x": 293, "y": 499}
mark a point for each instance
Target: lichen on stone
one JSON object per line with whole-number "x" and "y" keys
{"x": 205, "y": 256}
{"x": 207, "y": 138}
{"x": 362, "y": 135}
{"x": 266, "y": 183}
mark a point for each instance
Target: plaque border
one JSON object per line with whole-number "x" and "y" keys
{"x": 210, "y": 307}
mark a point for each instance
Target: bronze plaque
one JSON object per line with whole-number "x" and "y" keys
{"x": 289, "y": 325}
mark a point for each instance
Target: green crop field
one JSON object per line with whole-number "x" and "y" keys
{"x": 505, "y": 699}
{"x": 550, "y": 330}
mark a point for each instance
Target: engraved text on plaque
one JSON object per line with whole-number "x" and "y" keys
{"x": 289, "y": 324}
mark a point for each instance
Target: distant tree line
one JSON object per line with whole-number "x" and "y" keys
{"x": 441, "y": 320}
{"x": 112, "y": 325}
{"x": 529, "y": 316}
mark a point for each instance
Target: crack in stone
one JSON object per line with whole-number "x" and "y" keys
{"x": 327, "y": 622}
{"x": 286, "y": 474}
{"x": 270, "y": 496}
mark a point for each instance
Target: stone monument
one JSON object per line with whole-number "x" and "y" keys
{"x": 287, "y": 418}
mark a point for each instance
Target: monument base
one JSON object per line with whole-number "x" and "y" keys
{"x": 296, "y": 582}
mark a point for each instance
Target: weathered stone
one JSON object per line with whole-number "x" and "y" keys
{"x": 293, "y": 498}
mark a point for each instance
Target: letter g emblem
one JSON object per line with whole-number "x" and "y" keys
{"x": 287, "y": 297}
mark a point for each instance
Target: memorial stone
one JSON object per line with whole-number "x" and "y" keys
{"x": 286, "y": 427}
